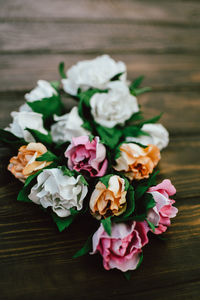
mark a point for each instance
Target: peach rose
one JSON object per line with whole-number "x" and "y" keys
{"x": 105, "y": 202}
{"x": 137, "y": 162}
{"x": 25, "y": 164}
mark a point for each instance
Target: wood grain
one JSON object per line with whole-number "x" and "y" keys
{"x": 184, "y": 12}
{"x": 110, "y": 37}
{"x": 159, "y": 39}
{"x": 162, "y": 71}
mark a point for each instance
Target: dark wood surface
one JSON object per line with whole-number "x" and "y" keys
{"x": 159, "y": 39}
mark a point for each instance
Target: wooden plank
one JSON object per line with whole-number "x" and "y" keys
{"x": 30, "y": 241}
{"x": 173, "y": 104}
{"x": 162, "y": 71}
{"x": 84, "y": 37}
{"x": 186, "y": 12}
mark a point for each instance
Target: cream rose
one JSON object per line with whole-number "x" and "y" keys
{"x": 137, "y": 162}
{"x": 114, "y": 107}
{"x": 109, "y": 201}
{"x": 67, "y": 127}
{"x": 58, "y": 191}
{"x": 95, "y": 73}
{"x": 158, "y": 135}
{"x": 23, "y": 120}
{"x": 25, "y": 164}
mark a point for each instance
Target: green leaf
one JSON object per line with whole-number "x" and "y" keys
{"x": 149, "y": 201}
{"x": 127, "y": 275}
{"x": 55, "y": 84}
{"x": 91, "y": 137}
{"x": 130, "y": 202}
{"x": 150, "y": 225}
{"x": 10, "y": 139}
{"x": 45, "y": 139}
{"x": 87, "y": 247}
{"x": 137, "y": 92}
{"x": 107, "y": 225}
{"x": 117, "y": 76}
{"x": 62, "y": 223}
{"x": 47, "y": 106}
{"x": 140, "y": 261}
{"x": 134, "y": 131}
{"x": 135, "y": 117}
{"x": 136, "y": 83}
{"x": 152, "y": 120}
{"x": 72, "y": 173}
{"x": 23, "y": 195}
{"x": 47, "y": 156}
{"x": 143, "y": 185}
{"x": 87, "y": 126}
{"x": 62, "y": 70}
{"x": 109, "y": 136}
{"x": 105, "y": 179}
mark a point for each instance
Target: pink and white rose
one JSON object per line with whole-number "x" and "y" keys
{"x": 164, "y": 210}
{"x": 86, "y": 155}
{"x": 123, "y": 248}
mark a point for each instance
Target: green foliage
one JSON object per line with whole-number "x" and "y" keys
{"x": 45, "y": 139}
{"x": 142, "y": 186}
{"x": 150, "y": 225}
{"x": 134, "y": 131}
{"x": 109, "y": 136}
{"x": 87, "y": 247}
{"x": 72, "y": 173}
{"x": 61, "y": 69}
{"x": 134, "y": 87}
{"x": 105, "y": 179}
{"x": 23, "y": 195}
{"x": 152, "y": 120}
{"x": 63, "y": 223}
{"x": 47, "y": 156}
{"x": 140, "y": 260}
{"x": 47, "y": 106}
{"x": 127, "y": 275}
{"x": 55, "y": 84}
{"x": 107, "y": 225}
{"x": 11, "y": 140}
{"x": 117, "y": 76}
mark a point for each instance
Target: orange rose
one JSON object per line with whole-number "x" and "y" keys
{"x": 105, "y": 202}
{"x": 25, "y": 164}
{"x": 137, "y": 162}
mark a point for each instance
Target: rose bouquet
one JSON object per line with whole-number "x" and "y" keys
{"x": 96, "y": 161}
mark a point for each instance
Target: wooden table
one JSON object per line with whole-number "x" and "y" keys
{"x": 160, "y": 39}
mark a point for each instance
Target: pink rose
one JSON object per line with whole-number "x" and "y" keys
{"x": 122, "y": 249}
{"x": 160, "y": 214}
{"x": 84, "y": 155}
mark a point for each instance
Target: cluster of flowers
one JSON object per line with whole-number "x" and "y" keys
{"x": 98, "y": 160}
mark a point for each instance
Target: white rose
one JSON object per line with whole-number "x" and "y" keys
{"x": 158, "y": 135}
{"x": 95, "y": 73}
{"x": 58, "y": 191}
{"x": 114, "y": 107}
{"x": 22, "y": 120}
{"x": 41, "y": 91}
{"x": 67, "y": 127}
{"x": 25, "y": 107}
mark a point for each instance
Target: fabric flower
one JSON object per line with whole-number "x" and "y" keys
{"x": 109, "y": 201}
{"x": 158, "y": 135}
{"x": 114, "y": 107}
{"x": 67, "y": 127}
{"x": 123, "y": 248}
{"x": 137, "y": 162}
{"x": 84, "y": 155}
{"x": 95, "y": 73}
{"x": 58, "y": 191}
{"x": 23, "y": 120}
{"x": 43, "y": 90}
{"x": 160, "y": 214}
{"x": 25, "y": 164}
